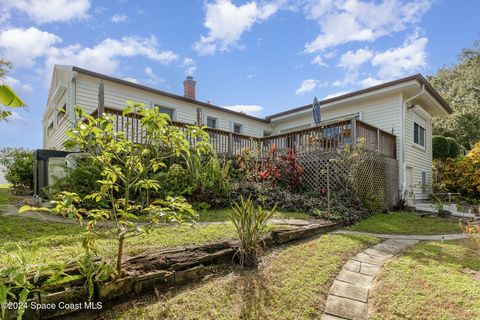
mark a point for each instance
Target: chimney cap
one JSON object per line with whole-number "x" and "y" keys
{"x": 189, "y": 78}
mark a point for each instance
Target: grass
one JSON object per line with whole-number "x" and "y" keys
{"x": 433, "y": 280}
{"x": 48, "y": 242}
{"x": 406, "y": 223}
{"x": 219, "y": 215}
{"x": 292, "y": 283}
{"x": 6, "y": 196}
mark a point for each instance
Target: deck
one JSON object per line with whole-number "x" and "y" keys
{"x": 325, "y": 137}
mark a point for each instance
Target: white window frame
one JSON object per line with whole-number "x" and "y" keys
{"x": 173, "y": 110}
{"x": 237, "y": 124}
{"x": 213, "y": 118}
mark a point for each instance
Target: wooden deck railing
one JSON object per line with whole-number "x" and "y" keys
{"x": 329, "y": 136}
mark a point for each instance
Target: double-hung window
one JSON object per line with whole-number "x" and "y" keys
{"x": 419, "y": 134}
{"x": 167, "y": 111}
{"x": 212, "y": 122}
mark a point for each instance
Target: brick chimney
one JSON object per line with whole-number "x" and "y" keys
{"x": 189, "y": 88}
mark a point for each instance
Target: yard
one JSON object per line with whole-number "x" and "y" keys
{"x": 406, "y": 223}
{"x": 432, "y": 280}
{"x": 292, "y": 283}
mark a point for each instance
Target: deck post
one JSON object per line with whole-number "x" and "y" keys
{"x": 378, "y": 140}
{"x": 353, "y": 133}
{"x": 230, "y": 144}
{"x": 101, "y": 99}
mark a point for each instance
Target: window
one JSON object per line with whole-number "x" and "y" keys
{"x": 237, "y": 128}
{"x": 267, "y": 133}
{"x": 50, "y": 128}
{"x": 211, "y": 122}
{"x": 167, "y": 111}
{"x": 61, "y": 113}
{"x": 418, "y": 134}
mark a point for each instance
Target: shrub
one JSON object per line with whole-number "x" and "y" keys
{"x": 249, "y": 221}
{"x": 461, "y": 174}
{"x": 19, "y": 164}
{"x": 444, "y": 148}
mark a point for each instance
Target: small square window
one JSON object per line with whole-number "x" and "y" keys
{"x": 166, "y": 111}
{"x": 267, "y": 133}
{"x": 237, "y": 128}
{"x": 211, "y": 122}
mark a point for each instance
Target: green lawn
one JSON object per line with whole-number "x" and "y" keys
{"x": 292, "y": 283}
{"x": 406, "y": 223}
{"x": 47, "y": 242}
{"x": 433, "y": 280}
{"x": 5, "y": 196}
{"x": 218, "y": 215}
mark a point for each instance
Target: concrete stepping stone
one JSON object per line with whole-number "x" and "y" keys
{"x": 348, "y": 295}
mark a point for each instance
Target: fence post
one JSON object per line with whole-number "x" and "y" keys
{"x": 230, "y": 144}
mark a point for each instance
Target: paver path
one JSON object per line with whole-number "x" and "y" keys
{"x": 348, "y": 295}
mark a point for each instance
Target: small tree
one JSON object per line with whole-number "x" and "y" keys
{"x": 19, "y": 164}
{"x": 127, "y": 169}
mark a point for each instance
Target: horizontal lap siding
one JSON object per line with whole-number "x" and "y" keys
{"x": 383, "y": 113}
{"x": 56, "y": 139}
{"x": 416, "y": 158}
{"x": 117, "y": 95}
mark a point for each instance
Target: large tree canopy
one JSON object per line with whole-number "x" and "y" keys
{"x": 460, "y": 86}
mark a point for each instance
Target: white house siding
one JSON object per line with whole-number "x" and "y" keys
{"x": 117, "y": 95}
{"x": 383, "y": 113}
{"x": 415, "y": 157}
{"x": 55, "y": 139}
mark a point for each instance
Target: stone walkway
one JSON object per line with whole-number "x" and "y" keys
{"x": 348, "y": 295}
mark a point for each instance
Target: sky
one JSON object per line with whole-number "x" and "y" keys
{"x": 259, "y": 56}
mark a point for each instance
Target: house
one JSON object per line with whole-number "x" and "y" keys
{"x": 395, "y": 117}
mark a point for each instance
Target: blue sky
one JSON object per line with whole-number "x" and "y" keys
{"x": 257, "y": 56}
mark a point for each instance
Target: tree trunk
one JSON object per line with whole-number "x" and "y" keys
{"x": 120, "y": 255}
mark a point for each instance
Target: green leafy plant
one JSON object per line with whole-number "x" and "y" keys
{"x": 19, "y": 164}
{"x": 127, "y": 177}
{"x": 249, "y": 221}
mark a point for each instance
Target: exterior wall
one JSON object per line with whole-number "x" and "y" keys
{"x": 417, "y": 158}
{"x": 55, "y": 139}
{"x": 383, "y": 113}
{"x": 117, "y": 95}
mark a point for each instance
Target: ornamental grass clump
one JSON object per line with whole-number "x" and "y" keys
{"x": 250, "y": 222}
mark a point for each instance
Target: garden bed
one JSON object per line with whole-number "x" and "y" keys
{"x": 162, "y": 269}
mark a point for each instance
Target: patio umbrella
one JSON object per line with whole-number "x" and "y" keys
{"x": 317, "y": 118}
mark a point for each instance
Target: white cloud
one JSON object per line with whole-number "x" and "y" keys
{"x": 336, "y": 94}
{"x": 409, "y": 57}
{"x": 350, "y": 78}
{"x": 370, "y": 82}
{"x": 18, "y": 86}
{"x": 344, "y": 21}
{"x": 129, "y": 79}
{"x": 23, "y": 46}
{"x": 250, "y": 109}
{"x": 153, "y": 79}
{"x": 352, "y": 60}
{"x": 251, "y": 75}
{"x": 319, "y": 61}
{"x": 119, "y": 18}
{"x": 190, "y": 66}
{"x": 17, "y": 118}
{"x": 226, "y": 23}
{"x": 307, "y": 86}
{"x": 46, "y": 11}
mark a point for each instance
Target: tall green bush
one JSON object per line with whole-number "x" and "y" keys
{"x": 444, "y": 148}
{"x": 19, "y": 164}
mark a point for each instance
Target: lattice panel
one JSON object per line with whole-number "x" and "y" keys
{"x": 368, "y": 174}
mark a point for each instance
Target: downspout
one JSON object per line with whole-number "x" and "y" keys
{"x": 402, "y": 150}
